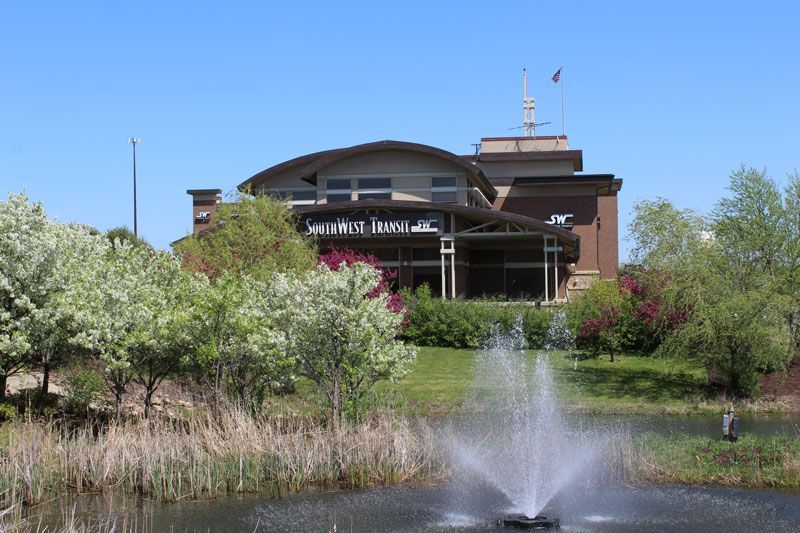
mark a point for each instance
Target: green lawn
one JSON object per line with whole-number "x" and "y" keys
{"x": 442, "y": 378}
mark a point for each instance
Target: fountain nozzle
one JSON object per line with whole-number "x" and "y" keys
{"x": 520, "y": 521}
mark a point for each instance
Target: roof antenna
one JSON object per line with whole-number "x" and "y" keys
{"x": 528, "y": 107}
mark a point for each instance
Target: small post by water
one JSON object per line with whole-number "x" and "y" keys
{"x": 730, "y": 426}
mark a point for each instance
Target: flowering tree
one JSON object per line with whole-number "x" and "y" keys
{"x": 341, "y": 339}
{"x": 335, "y": 258}
{"x": 161, "y": 340}
{"x": 237, "y": 344}
{"x": 40, "y": 264}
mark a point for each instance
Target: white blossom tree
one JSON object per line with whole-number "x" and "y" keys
{"x": 239, "y": 347}
{"x": 161, "y": 344}
{"x": 341, "y": 339}
{"x": 40, "y": 264}
{"x": 138, "y": 307}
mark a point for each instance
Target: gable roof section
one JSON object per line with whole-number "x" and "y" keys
{"x": 307, "y": 166}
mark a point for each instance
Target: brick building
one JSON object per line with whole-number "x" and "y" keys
{"x": 519, "y": 218}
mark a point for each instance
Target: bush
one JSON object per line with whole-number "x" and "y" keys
{"x": 83, "y": 389}
{"x": 8, "y": 411}
{"x": 618, "y": 315}
{"x": 467, "y": 323}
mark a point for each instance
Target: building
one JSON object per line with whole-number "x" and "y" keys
{"x": 518, "y": 218}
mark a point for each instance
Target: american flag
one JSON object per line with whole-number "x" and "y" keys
{"x": 557, "y": 76}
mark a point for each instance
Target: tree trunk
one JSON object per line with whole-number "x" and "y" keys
{"x": 45, "y": 379}
{"x": 148, "y": 402}
{"x": 335, "y": 406}
{"x": 3, "y": 379}
{"x": 118, "y": 398}
{"x": 612, "y": 354}
{"x": 217, "y": 390}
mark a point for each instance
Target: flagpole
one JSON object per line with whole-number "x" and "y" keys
{"x": 563, "y": 116}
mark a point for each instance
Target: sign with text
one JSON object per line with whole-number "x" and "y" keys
{"x": 365, "y": 225}
{"x": 562, "y": 220}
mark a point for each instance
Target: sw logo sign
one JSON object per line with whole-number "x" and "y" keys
{"x": 562, "y": 220}
{"x": 425, "y": 226}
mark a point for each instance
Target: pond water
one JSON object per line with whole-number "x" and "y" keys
{"x": 709, "y": 426}
{"x": 446, "y": 508}
{"x": 767, "y": 425}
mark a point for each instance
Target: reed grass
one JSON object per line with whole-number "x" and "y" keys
{"x": 749, "y": 462}
{"x": 205, "y": 457}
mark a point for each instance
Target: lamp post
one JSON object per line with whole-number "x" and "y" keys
{"x": 134, "y": 141}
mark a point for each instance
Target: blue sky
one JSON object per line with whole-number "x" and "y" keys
{"x": 668, "y": 96}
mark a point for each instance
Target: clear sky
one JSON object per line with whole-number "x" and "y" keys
{"x": 669, "y": 96}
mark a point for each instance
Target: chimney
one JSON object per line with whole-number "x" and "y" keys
{"x": 204, "y": 206}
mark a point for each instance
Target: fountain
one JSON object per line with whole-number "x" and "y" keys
{"x": 517, "y": 440}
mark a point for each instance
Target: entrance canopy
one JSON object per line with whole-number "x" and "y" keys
{"x": 478, "y": 251}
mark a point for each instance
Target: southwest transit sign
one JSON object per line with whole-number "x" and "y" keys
{"x": 373, "y": 225}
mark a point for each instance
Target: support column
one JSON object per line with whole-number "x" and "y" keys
{"x": 546, "y": 280}
{"x": 448, "y": 248}
{"x": 555, "y": 263}
{"x": 444, "y": 282}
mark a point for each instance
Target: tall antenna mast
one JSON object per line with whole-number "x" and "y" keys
{"x": 528, "y": 107}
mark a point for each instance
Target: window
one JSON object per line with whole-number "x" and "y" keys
{"x": 443, "y": 181}
{"x": 385, "y": 254}
{"x": 443, "y": 189}
{"x": 486, "y": 257}
{"x": 525, "y": 282}
{"x": 297, "y": 196}
{"x": 374, "y": 183}
{"x": 338, "y": 185}
{"x": 524, "y": 256}
{"x": 426, "y": 254}
{"x": 444, "y": 197}
{"x": 374, "y": 195}
{"x": 374, "y": 188}
{"x": 338, "y": 190}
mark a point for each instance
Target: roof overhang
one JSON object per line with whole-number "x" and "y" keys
{"x": 606, "y": 183}
{"x": 307, "y": 166}
{"x": 576, "y": 156}
{"x": 476, "y": 213}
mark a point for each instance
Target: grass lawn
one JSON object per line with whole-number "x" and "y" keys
{"x": 442, "y": 378}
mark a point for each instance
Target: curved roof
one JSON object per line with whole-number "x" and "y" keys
{"x": 471, "y": 212}
{"x": 308, "y": 165}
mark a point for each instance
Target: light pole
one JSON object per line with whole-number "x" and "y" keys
{"x": 134, "y": 141}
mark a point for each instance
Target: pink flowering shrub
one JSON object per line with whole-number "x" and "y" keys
{"x": 334, "y": 258}
{"x": 627, "y": 314}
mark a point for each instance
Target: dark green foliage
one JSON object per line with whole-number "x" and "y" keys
{"x": 84, "y": 388}
{"x": 255, "y": 235}
{"x": 8, "y": 411}
{"x": 124, "y": 234}
{"x": 467, "y": 323}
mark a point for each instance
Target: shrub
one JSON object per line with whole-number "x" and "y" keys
{"x": 84, "y": 388}
{"x": 619, "y": 315}
{"x": 8, "y": 411}
{"x": 467, "y": 323}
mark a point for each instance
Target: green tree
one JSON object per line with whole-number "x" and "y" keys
{"x": 40, "y": 265}
{"x": 161, "y": 342}
{"x": 342, "y": 340}
{"x": 124, "y": 234}
{"x": 238, "y": 346}
{"x": 252, "y": 235}
{"x": 726, "y": 287}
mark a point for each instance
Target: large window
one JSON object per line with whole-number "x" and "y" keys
{"x": 443, "y": 189}
{"x": 375, "y": 188}
{"x": 339, "y": 190}
{"x": 297, "y": 196}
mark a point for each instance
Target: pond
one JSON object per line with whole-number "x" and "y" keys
{"x": 616, "y": 508}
